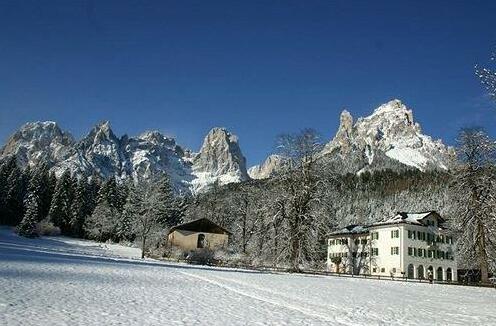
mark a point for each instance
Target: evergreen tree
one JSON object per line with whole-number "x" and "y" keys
{"x": 101, "y": 226}
{"x": 149, "y": 207}
{"x": 6, "y": 167}
{"x": 164, "y": 201}
{"x": 14, "y": 206}
{"x": 93, "y": 190}
{"x": 80, "y": 207}
{"x": 60, "y": 208}
{"x": 109, "y": 193}
{"x": 39, "y": 184}
{"x": 179, "y": 207}
{"x": 103, "y": 223}
{"x": 27, "y": 227}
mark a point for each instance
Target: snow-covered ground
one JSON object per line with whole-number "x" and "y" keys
{"x": 61, "y": 281}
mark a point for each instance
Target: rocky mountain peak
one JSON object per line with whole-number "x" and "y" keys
{"x": 344, "y": 134}
{"x": 102, "y": 132}
{"x": 220, "y": 159}
{"x": 38, "y": 141}
{"x": 269, "y": 168}
{"x": 157, "y": 138}
{"x": 390, "y": 129}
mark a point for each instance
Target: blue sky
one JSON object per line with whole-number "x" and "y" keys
{"x": 258, "y": 68}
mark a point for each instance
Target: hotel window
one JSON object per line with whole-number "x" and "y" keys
{"x": 394, "y": 270}
{"x": 415, "y": 252}
{"x": 374, "y": 269}
{"x": 395, "y": 233}
{"x": 375, "y": 235}
{"x": 420, "y": 252}
{"x": 357, "y": 242}
{"x": 429, "y": 253}
{"x": 409, "y": 234}
{"x": 375, "y": 251}
{"x": 383, "y": 270}
{"x": 363, "y": 241}
{"x": 395, "y": 250}
{"x": 410, "y": 251}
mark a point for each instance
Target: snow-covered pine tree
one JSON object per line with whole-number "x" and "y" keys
{"x": 39, "y": 185}
{"x": 60, "y": 207}
{"x": 79, "y": 207}
{"x": 164, "y": 200}
{"x": 178, "y": 213}
{"x": 109, "y": 193}
{"x": 15, "y": 196}
{"x": 6, "y": 167}
{"x": 148, "y": 207}
{"x": 27, "y": 227}
{"x": 101, "y": 226}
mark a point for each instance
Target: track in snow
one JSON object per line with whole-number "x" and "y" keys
{"x": 60, "y": 281}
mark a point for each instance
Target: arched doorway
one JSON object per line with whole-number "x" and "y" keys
{"x": 410, "y": 271}
{"x": 449, "y": 275}
{"x": 439, "y": 274}
{"x": 420, "y": 272}
{"x": 430, "y": 273}
{"x": 201, "y": 241}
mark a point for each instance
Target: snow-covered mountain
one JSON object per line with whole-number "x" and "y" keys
{"x": 219, "y": 161}
{"x": 39, "y": 142}
{"x": 390, "y": 131}
{"x": 389, "y": 138}
{"x": 268, "y": 168}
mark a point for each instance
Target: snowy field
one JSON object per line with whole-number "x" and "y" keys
{"x": 61, "y": 281}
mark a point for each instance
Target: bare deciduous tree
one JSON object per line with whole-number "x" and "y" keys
{"x": 474, "y": 185}
{"x": 303, "y": 185}
{"x": 488, "y": 77}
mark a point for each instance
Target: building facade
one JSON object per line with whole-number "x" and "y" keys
{"x": 412, "y": 245}
{"x": 198, "y": 234}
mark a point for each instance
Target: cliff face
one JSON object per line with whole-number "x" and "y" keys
{"x": 219, "y": 160}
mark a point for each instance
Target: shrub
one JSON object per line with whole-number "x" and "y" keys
{"x": 46, "y": 227}
{"x": 202, "y": 257}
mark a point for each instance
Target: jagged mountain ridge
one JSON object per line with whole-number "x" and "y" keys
{"x": 268, "y": 168}
{"x": 388, "y": 138}
{"x": 391, "y": 132}
{"x": 101, "y": 152}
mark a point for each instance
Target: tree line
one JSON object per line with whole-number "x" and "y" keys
{"x": 37, "y": 202}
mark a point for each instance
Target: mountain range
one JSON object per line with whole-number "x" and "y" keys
{"x": 388, "y": 138}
